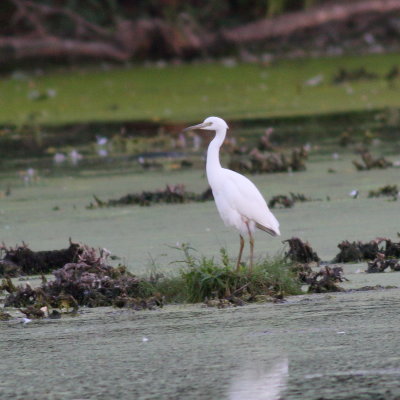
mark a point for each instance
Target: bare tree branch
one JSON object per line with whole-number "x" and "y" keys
{"x": 50, "y": 47}
{"x": 289, "y": 23}
{"x": 37, "y": 10}
{"x": 24, "y": 13}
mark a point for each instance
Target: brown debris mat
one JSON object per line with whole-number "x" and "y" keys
{"x": 359, "y": 251}
{"x": 89, "y": 281}
{"x": 300, "y": 252}
{"x": 21, "y": 260}
{"x": 385, "y": 191}
{"x": 369, "y": 162}
{"x": 284, "y": 201}
{"x": 358, "y": 74}
{"x": 4, "y": 316}
{"x": 172, "y": 194}
{"x": 256, "y": 162}
{"x": 324, "y": 280}
{"x": 381, "y": 263}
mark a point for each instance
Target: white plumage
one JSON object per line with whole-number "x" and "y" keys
{"x": 239, "y": 202}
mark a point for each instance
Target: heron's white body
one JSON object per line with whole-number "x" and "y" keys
{"x": 237, "y": 198}
{"x": 239, "y": 202}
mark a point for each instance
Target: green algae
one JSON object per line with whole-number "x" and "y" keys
{"x": 336, "y": 346}
{"x": 140, "y": 234}
{"x": 188, "y": 92}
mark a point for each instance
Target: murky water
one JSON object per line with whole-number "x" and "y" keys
{"x": 140, "y": 234}
{"x": 337, "y": 346}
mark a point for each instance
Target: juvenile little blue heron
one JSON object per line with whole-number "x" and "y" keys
{"x": 239, "y": 202}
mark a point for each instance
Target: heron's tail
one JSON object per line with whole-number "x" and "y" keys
{"x": 272, "y": 232}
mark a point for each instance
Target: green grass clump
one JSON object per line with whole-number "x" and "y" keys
{"x": 203, "y": 278}
{"x": 274, "y": 276}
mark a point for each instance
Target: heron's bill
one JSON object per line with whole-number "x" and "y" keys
{"x": 198, "y": 126}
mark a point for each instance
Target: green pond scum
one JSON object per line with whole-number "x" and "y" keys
{"x": 149, "y": 341}
{"x": 188, "y": 92}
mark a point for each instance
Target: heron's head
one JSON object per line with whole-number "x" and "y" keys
{"x": 210, "y": 124}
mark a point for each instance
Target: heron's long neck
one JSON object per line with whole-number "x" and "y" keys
{"x": 213, "y": 163}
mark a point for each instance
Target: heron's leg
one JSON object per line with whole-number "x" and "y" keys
{"x": 240, "y": 252}
{"x": 251, "y": 251}
{"x": 251, "y": 240}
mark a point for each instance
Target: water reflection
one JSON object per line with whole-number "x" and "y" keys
{"x": 260, "y": 382}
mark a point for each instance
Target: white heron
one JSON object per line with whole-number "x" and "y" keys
{"x": 239, "y": 202}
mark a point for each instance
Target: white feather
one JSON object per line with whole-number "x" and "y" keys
{"x": 238, "y": 200}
